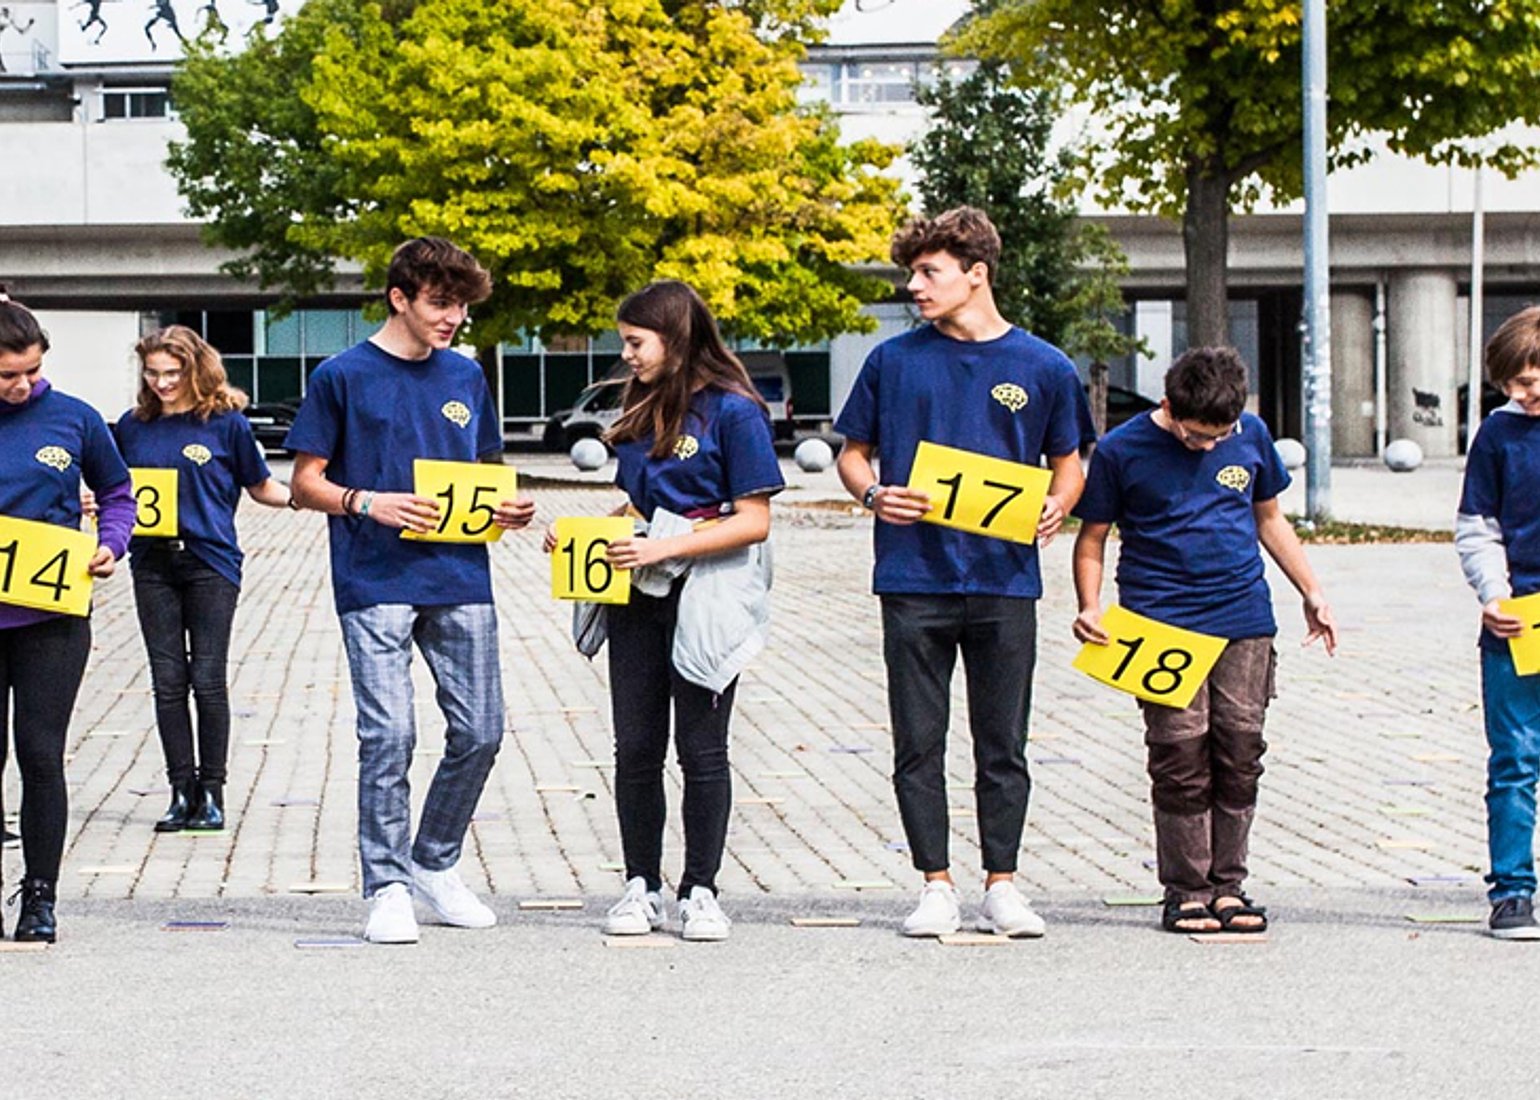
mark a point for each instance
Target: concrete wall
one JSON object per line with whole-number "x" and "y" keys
{"x": 92, "y": 357}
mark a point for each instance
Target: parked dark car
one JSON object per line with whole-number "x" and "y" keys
{"x": 270, "y": 423}
{"x": 1123, "y": 404}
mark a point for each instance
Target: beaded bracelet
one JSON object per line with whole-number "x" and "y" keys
{"x": 363, "y": 509}
{"x": 347, "y": 501}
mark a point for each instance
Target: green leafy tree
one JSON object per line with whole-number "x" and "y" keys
{"x": 578, "y": 149}
{"x": 1197, "y": 103}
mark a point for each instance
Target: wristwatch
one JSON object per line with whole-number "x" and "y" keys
{"x": 869, "y": 498}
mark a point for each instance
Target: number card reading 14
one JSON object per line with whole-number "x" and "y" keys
{"x": 1526, "y": 647}
{"x": 579, "y": 570}
{"x": 977, "y": 493}
{"x": 467, "y": 493}
{"x": 155, "y": 492}
{"x": 44, "y": 566}
{"x": 1155, "y": 662}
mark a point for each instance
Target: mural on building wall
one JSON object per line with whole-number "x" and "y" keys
{"x": 95, "y": 32}
{"x": 20, "y": 37}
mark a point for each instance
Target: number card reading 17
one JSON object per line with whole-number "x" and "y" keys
{"x": 155, "y": 492}
{"x": 45, "y": 567}
{"x": 467, "y": 493}
{"x": 579, "y": 570}
{"x": 1526, "y": 647}
{"x": 977, "y": 493}
{"x": 1155, "y": 662}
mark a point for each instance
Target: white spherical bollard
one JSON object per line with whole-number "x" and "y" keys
{"x": 589, "y": 454}
{"x": 813, "y": 455}
{"x": 1403, "y": 455}
{"x": 1291, "y": 452}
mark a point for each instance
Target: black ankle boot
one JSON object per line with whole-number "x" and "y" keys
{"x": 183, "y": 797}
{"x": 36, "y": 923}
{"x": 209, "y": 813}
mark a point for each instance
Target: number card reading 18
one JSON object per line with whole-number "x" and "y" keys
{"x": 1155, "y": 662}
{"x": 155, "y": 492}
{"x": 467, "y": 493}
{"x": 579, "y": 570}
{"x": 974, "y": 492}
{"x": 44, "y": 566}
{"x": 1526, "y": 647}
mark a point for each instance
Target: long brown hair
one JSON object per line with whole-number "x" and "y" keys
{"x": 694, "y": 358}
{"x": 19, "y": 330}
{"x": 201, "y": 369}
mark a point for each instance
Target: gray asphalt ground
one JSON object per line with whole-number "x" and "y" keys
{"x": 1371, "y": 817}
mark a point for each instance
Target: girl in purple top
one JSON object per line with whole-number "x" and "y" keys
{"x": 49, "y": 444}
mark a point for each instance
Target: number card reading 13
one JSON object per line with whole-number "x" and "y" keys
{"x": 1155, "y": 662}
{"x": 44, "y": 566}
{"x": 1526, "y": 647}
{"x": 977, "y": 493}
{"x": 579, "y": 570}
{"x": 155, "y": 492}
{"x": 467, "y": 493}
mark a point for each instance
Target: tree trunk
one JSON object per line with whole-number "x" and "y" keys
{"x": 1206, "y": 241}
{"x": 1099, "y": 372}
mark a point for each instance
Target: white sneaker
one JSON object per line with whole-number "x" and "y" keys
{"x": 939, "y": 912}
{"x": 638, "y": 911}
{"x": 701, "y": 918}
{"x": 450, "y": 899}
{"x": 1006, "y": 913}
{"x": 390, "y": 916}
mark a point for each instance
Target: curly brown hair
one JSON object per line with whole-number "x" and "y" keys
{"x": 964, "y": 232}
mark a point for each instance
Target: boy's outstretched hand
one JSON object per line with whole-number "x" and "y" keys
{"x": 1318, "y": 619}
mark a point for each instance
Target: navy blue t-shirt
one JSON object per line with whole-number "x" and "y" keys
{"x": 214, "y": 459}
{"x": 1189, "y": 554}
{"x": 370, "y": 415}
{"x": 1502, "y": 481}
{"x": 1015, "y": 397}
{"x": 726, "y": 452}
{"x": 47, "y": 448}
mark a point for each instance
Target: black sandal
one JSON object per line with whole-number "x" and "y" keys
{"x": 1173, "y": 913}
{"x": 1227, "y": 916}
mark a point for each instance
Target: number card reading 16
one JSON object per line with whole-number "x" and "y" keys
{"x": 1155, "y": 662}
{"x": 467, "y": 494}
{"x": 1526, "y": 647}
{"x": 44, "y": 566}
{"x": 977, "y": 493}
{"x": 579, "y": 570}
{"x": 155, "y": 492}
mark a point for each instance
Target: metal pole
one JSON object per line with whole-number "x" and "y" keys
{"x": 1317, "y": 357}
{"x": 1381, "y": 356}
{"x": 1477, "y": 280}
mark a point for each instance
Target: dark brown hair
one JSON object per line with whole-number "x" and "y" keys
{"x": 201, "y": 370}
{"x": 1514, "y": 347}
{"x": 19, "y": 330}
{"x": 695, "y": 358}
{"x": 965, "y": 232}
{"x": 1207, "y": 385}
{"x": 432, "y": 263}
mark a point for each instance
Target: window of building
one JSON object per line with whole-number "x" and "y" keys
{"x": 876, "y": 82}
{"x": 132, "y": 103}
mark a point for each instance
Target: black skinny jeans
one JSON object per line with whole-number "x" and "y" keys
{"x": 185, "y": 613}
{"x": 644, "y": 687}
{"x": 40, "y": 670}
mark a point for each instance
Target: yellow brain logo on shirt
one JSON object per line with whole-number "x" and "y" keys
{"x": 1234, "y": 477}
{"x": 456, "y": 412}
{"x": 197, "y": 452}
{"x": 57, "y": 457}
{"x": 685, "y": 447}
{"x": 1010, "y": 395}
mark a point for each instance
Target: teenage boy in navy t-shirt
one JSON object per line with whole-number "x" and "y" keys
{"x": 1193, "y": 488}
{"x": 968, "y": 379}
{"x": 1497, "y": 534}
{"x": 368, "y": 413}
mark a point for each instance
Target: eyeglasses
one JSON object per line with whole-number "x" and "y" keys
{"x": 170, "y": 377}
{"x": 1202, "y": 439}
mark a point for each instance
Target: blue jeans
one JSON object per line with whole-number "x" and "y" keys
{"x": 1512, "y": 704}
{"x": 460, "y": 645}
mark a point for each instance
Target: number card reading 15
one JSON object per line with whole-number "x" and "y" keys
{"x": 44, "y": 566}
{"x": 155, "y": 492}
{"x": 1155, "y": 662}
{"x": 977, "y": 493}
{"x": 467, "y": 493}
{"x": 579, "y": 570}
{"x": 1526, "y": 647}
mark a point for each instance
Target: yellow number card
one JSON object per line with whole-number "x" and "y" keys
{"x": 1526, "y": 647}
{"x": 467, "y": 494}
{"x": 1155, "y": 662}
{"x": 44, "y": 566}
{"x": 974, "y": 492}
{"x": 579, "y": 570}
{"x": 155, "y": 501}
